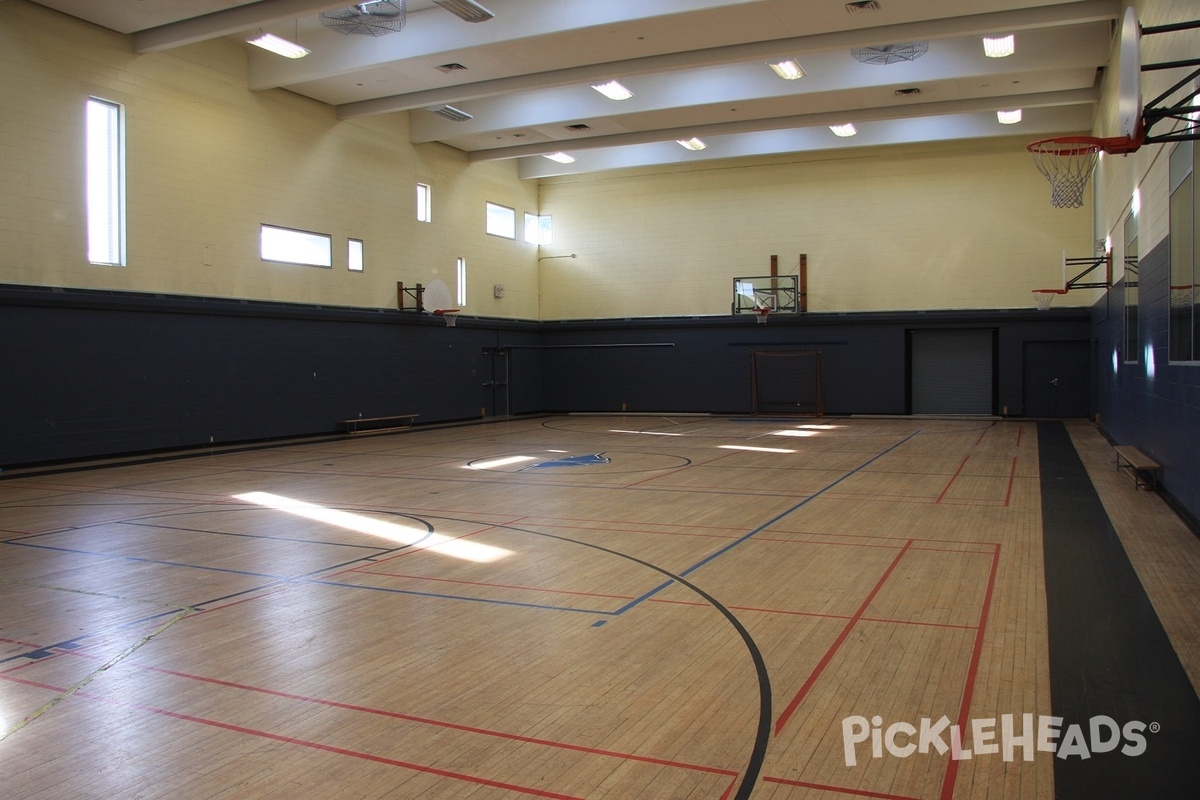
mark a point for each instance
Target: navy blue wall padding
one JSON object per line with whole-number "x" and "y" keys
{"x": 1158, "y": 413}
{"x": 94, "y": 373}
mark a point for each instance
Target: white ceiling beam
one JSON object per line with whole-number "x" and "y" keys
{"x": 975, "y": 24}
{"x": 1046, "y": 99}
{"x": 226, "y": 22}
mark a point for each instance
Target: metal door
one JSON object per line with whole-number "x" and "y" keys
{"x": 495, "y": 387}
{"x": 1056, "y": 379}
{"x": 952, "y": 371}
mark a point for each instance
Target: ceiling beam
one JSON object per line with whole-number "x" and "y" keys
{"x": 226, "y": 22}
{"x": 974, "y": 24}
{"x": 1069, "y": 97}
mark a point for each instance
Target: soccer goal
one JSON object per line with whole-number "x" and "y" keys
{"x": 786, "y": 382}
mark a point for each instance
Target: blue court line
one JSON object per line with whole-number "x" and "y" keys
{"x": 741, "y": 540}
{"x": 438, "y": 596}
{"x": 145, "y": 560}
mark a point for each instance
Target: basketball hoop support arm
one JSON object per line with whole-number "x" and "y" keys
{"x": 1182, "y": 111}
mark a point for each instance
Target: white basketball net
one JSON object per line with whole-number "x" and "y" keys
{"x": 1067, "y": 165}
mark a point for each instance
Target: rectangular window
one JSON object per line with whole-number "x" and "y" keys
{"x": 538, "y": 229}
{"x": 501, "y": 221}
{"x": 105, "y": 182}
{"x": 354, "y": 255}
{"x": 424, "y": 203}
{"x": 460, "y": 274}
{"x": 289, "y": 246}
{"x": 1184, "y": 316}
{"x": 1132, "y": 342}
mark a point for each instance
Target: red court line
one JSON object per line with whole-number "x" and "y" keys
{"x": 816, "y": 673}
{"x": 837, "y": 789}
{"x": 1012, "y": 475}
{"x": 953, "y": 478}
{"x": 306, "y": 743}
{"x": 972, "y": 671}
{"x": 442, "y": 723}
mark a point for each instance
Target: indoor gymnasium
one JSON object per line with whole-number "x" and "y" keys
{"x": 658, "y": 400}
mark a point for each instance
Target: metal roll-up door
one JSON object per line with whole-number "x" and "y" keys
{"x": 952, "y": 371}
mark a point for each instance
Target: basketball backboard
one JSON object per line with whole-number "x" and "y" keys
{"x": 779, "y": 293}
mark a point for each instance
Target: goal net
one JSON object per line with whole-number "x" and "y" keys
{"x": 786, "y": 382}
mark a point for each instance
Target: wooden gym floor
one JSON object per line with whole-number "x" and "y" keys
{"x": 591, "y": 607}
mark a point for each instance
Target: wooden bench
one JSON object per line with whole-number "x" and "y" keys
{"x": 1143, "y": 469}
{"x": 377, "y": 424}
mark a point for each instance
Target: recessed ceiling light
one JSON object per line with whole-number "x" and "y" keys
{"x": 613, "y": 90}
{"x": 1009, "y": 117}
{"x": 787, "y": 69}
{"x": 561, "y": 158}
{"x": 692, "y": 144}
{"x": 278, "y": 46}
{"x": 999, "y": 46}
{"x": 843, "y": 130}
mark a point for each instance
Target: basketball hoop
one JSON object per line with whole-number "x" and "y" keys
{"x": 449, "y": 314}
{"x": 1068, "y": 163}
{"x": 1045, "y": 296}
{"x": 761, "y": 313}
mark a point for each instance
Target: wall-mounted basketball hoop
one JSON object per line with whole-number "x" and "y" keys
{"x": 1044, "y": 297}
{"x": 1068, "y": 161}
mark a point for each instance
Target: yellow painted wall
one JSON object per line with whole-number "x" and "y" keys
{"x": 209, "y": 161}
{"x": 918, "y": 227}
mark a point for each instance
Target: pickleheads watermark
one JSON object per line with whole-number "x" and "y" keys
{"x": 1101, "y": 734}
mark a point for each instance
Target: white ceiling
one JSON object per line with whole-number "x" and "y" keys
{"x": 697, "y": 68}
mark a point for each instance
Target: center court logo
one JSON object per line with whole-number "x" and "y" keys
{"x": 1101, "y": 734}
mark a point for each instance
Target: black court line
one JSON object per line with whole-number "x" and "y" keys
{"x": 1109, "y": 654}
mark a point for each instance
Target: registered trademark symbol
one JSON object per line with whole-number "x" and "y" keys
{"x": 1155, "y": 727}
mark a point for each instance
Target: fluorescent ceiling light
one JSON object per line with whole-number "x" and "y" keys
{"x": 843, "y": 130}
{"x": 613, "y": 90}
{"x": 561, "y": 158}
{"x": 692, "y": 144}
{"x": 788, "y": 69}
{"x": 1009, "y": 117}
{"x": 282, "y": 47}
{"x": 999, "y": 46}
{"x": 466, "y": 9}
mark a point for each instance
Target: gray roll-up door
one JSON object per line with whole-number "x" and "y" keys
{"x": 952, "y": 371}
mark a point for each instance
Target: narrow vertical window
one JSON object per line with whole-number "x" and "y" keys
{"x": 105, "y": 183}
{"x": 424, "y": 203}
{"x": 1184, "y": 319}
{"x": 1132, "y": 341}
{"x": 354, "y": 255}
{"x": 460, "y": 273}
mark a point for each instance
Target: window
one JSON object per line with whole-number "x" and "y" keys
{"x": 1184, "y": 318}
{"x": 105, "y": 182}
{"x": 424, "y": 203}
{"x": 296, "y": 247}
{"x": 354, "y": 255}
{"x": 538, "y": 229}
{"x": 1132, "y": 351}
{"x": 501, "y": 221}
{"x": 460, "y": 274}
